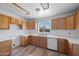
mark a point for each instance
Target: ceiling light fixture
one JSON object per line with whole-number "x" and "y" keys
{"x": 37, "y": 9}
{"x": 19, "y": 7}
{"x": 44, "y": 5}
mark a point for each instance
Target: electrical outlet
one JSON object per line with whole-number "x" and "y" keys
{"x": 69, "y": 33}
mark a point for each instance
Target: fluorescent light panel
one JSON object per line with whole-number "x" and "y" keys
{"x": 19, "y": 7}
{"x": 44, "y": 5}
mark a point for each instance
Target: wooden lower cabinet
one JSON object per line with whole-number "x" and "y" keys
{"x": 72, "y": 49}
{"x": 39, "y": 41}
{"x": 69, "y": 49}
{"x": 75, "y": 49}
{"x": 24, "y": 41}
{"x": 6, "y": 47}
{"x": 43, "y": 42}
{"x": 61, "y": 43}
{"x": 34, "y": 39}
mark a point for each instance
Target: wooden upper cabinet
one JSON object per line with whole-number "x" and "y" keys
{"x": 58, "y": 24}
{"x": 30, "y": 25}
{"x": 24, "y": 25}
{"x": 19, "y": 22}
{"x": 13, "y": 21}
{"x": 61, "y": 24}
{"x": 77, "y": 20}
{"x": 4, "y": 22}
{"x": 70, "y": 24}
{"x": 33, "y": 25}
{"x": 54, "y": 23}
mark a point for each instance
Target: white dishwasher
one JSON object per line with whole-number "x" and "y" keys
{"x": 52, "y": 43}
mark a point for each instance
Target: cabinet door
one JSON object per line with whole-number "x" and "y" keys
{"x": 28, "y": 25}
{"x": 58, "y": 24}
{"x": 69, "y": 49}
{"x": 55, "y": 24}
{"x": 4, "y": 22}
{"x": 70, "y": 24}
{"x": 75, "y": 49}
{"x": 24, "y": 41}
{"x": 6, "y": 47}
{"x": 13, "y": 21}
{"x": 77, "y": 20}
{"x": 43, "y": 42}
{"x": 33, "y": 25}
{"x": 24, "y": 24}
{"x": 33, "y": 40}
{"x": 61, "y": 24}
{"x": 37, "y": 41}
{"x": 61, "y": 45}
{"x": 19, "y": 22}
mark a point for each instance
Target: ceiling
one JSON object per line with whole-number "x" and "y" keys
{"x": 55, "y": 9}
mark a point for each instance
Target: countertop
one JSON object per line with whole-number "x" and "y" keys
{"x": 74, "y": 40}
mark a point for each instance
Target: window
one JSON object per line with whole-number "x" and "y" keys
{"x": 44, "y": 26}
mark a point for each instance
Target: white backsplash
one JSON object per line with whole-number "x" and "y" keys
{"x": 61, "y": 33}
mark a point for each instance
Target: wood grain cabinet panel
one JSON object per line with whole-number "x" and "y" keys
{"x": 24, "y": 24}
{"x": 58, "y": 24}
{"x": 54, "y": 24}
{"x": 24, "y": 41}
{"x": 33, "y": 25}
{"x": 39, "y": 41}
{"x": 19, "y": 22}
{"x": 13, "y": 21}
{"x": 69, "y": 50}
{"x": 72, "y": 49}
{"x": 43, "y": 42}
{"x": 75, "y": 49}
{"x": 61, "y": 24}
{"x": 70, "y": 22}
{"x": 61, "y": 45}
{"x": 34, "y": 40}
{"x": 77, "y": 20}
{"x": 28, "y": 24}
{"x": 6, "y": 47}
{"x": 4, "y": 22}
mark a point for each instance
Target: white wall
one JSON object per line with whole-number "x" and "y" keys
{"x": 12, "y": 33}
